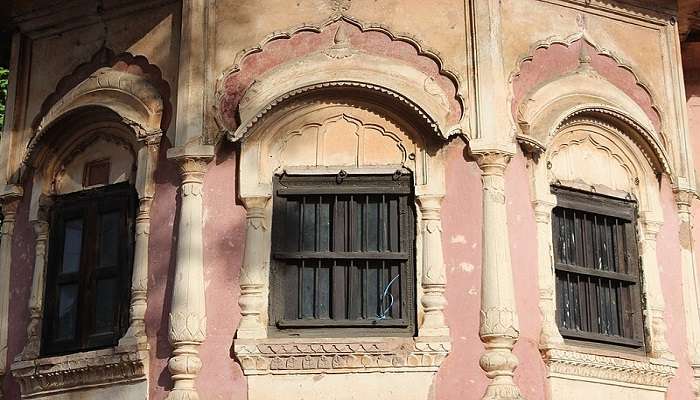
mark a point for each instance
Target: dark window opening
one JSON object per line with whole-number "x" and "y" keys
{"x": 342, "y": 254}
{"x": 89, "y": 269}
{"x": 96, "y": 173}
{"x": 597, "y": 269}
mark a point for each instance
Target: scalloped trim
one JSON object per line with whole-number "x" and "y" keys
{"x": 245, "y": 126}
{"x": 421, "y": 51}
{"x": 570, "y": 40}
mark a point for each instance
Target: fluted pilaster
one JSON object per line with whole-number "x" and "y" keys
{"x": 253, "y": 272}
{"x": 498, "y": 328}
{"x": 433, "y": 277}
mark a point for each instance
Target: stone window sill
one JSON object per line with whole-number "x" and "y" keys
{"x": 339, "y": 355}
{"x": 609, "y": 367}
{"x": 125, "y": 363}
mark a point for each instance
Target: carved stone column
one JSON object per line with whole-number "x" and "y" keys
{"x": 433, "y": 277}
{"x": 36, "y": 297}
{"x": 655, "y": 308}
{"x": 253, "y": 272}
{"x": 549, "y": 335}
{"x": 499, "y": 321}
{"x": 9, "y": 209}
{"x": 691, "y": 296}
{"x": 145, "y": 182}
{"x": 139, "y": 279}
{"x": 188, "y": 320}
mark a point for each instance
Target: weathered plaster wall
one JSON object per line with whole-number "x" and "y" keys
{"x": 669, "y": 259}
{"x": 530, "y": 22}
{"x": 20, "y": 284}
{"x": 153, "y": 34}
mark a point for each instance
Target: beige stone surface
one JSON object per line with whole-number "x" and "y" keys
{"x": 376, "y": 386}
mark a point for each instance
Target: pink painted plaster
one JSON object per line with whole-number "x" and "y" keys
{"x": 460, "y": 376}
{"x": 22, "y": 267}
{"x": 549, "y": 63}
{"x": 669, "y": 261}
{"x": 303, "y": 43}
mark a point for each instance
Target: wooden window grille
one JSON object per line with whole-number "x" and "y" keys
{"x": 89, "y": 270}
{"x": 597, "y": 268}
{"x": 342, "y": 254}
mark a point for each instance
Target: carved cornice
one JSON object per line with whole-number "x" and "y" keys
{"x": 53, "y": 375}
{"x": 606, "y": 368}
{"x": 275, "y": 356}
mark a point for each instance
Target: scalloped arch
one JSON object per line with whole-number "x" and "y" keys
{"x": 234, "y": 83}
{"x": 642, "y": 94}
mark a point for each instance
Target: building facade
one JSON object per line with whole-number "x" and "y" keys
{"x": 348, "y": 199}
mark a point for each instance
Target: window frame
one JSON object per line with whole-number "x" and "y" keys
{"x": 609, "y": 206}
{"x": 336, "y": 184}
{"x": 89, "y": 204}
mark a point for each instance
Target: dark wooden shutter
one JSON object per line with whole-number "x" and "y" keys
{"x": 343, "y": 253}
{"x": 89, "y": 269}
{"x": 597, "y": 268}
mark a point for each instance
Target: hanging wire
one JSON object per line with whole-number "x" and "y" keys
{"x": 384, "y": 313}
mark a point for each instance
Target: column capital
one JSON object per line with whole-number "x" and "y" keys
{"x": 255, "y": 202}
{"x": 492, "y": 162}
{"x": 191, "y": 161}
{"x": 684, "y": 199}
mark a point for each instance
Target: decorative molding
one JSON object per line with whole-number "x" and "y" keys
{"x": 243, "y": 129}
{"x": 53, "y": 375}
{"x": 339, "y": 50}
{"x": 434, "y": 277}
{"x": 300, "y": 356}
{"x": 654, "y": 373}
{"x": 619, "y": 11}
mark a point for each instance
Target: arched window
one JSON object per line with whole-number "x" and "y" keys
{"x": 90, "y": 204}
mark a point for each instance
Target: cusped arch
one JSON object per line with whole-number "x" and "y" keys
{"x": 585, "y": 93}
{"x": 345, "y": 54}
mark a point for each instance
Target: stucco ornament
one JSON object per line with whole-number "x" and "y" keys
{"x": 589, "y": 153}
{"x": 347, "y": 60}
{"x": 338, "y": 108}
{"x": 120, "y": 116}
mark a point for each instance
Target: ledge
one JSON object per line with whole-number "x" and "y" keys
{"x": 57, "y": 374}
{"x": 618, "y": 370}
{"x": 341, "y": 355}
